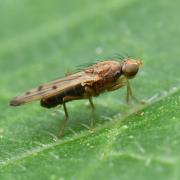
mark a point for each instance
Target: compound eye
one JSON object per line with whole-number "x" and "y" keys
{"x": 130, "y": 69}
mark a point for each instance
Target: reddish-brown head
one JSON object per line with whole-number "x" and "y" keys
{"x": 130, "y": 67}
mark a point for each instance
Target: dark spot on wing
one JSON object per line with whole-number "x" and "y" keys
{"x": 28, "y": 92}
{"x": 54, "y": 87}
{"x": 40, "y": 88}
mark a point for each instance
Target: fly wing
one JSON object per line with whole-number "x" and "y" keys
{"x": 53, "y": 88}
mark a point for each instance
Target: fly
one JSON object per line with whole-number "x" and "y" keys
{"x": 101, "y": 77}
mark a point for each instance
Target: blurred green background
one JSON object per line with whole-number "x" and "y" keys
{"x": 41, "y": 41}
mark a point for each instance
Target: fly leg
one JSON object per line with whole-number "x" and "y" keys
{"x": 92, "y": 113}
{"x": 90, "y": 92}
{"x": 130, "y": 94}
{"x": 65, "y": 120}
{"x": 117, "y": 86}
{"x": 65, "y": 99}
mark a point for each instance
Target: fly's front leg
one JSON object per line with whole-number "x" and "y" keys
{"x": 117, "y": 86}
{"x": 130, "y": 94}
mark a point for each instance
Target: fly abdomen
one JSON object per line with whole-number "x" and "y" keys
{"x": 75, "y": 92}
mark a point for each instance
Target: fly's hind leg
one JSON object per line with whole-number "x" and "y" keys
{"x": 65, "y": 99}
{"x": 92, "y": 113}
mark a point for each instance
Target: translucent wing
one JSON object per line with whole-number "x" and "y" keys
{"x": 88, "y": 76}
{"x": 53, "y": 88}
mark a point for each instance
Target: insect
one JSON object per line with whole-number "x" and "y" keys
{"x": 103, "y": 76}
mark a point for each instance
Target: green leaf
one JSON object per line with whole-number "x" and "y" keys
{"x": 42, "y": 40}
